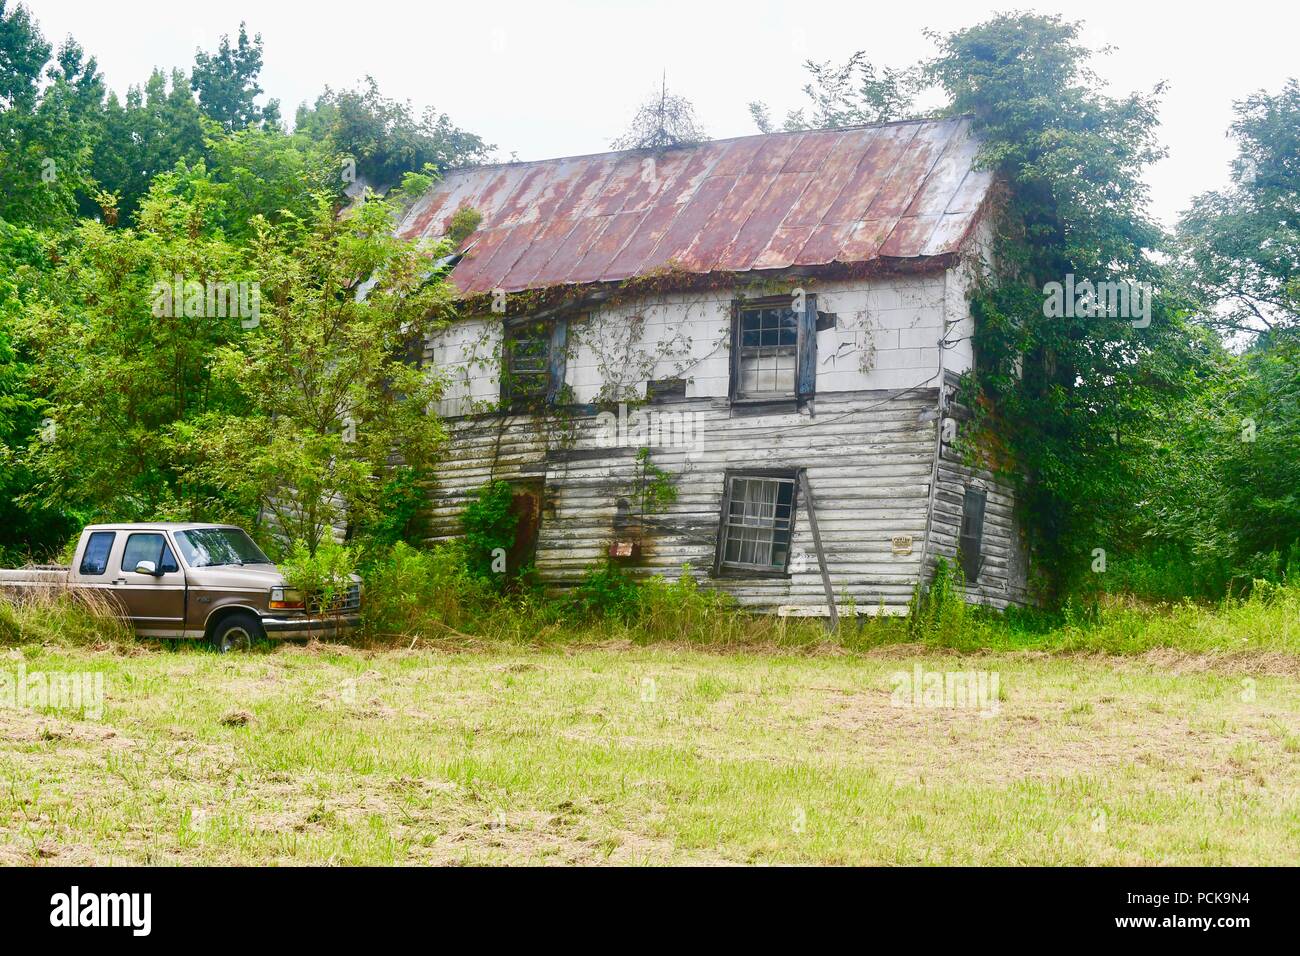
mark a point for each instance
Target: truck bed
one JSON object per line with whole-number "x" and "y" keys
{"x": 39, "y": 575}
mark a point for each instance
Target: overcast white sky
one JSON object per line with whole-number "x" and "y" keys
{"x": 543, "y": 79}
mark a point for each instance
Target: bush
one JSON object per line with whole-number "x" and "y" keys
{"x": 489, "y": 523}
{"x": 409, "y": 589}
{"x": 323, "y": 577}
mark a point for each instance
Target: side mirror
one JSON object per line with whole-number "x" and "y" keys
{"x": 149, "y": 568}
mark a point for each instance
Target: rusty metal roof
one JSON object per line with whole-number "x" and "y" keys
{"x": 895, "y": 191}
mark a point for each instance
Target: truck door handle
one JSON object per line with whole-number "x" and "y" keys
{"x": 119, "y": 580}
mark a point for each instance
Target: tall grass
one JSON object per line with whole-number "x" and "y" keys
{"x": 59, "y": 616}
{"x": 413, "y": 594}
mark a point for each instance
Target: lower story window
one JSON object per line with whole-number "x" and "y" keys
{"x": 757, "y": 522}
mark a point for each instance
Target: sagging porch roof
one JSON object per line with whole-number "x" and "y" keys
{"x": 896, "y": 191}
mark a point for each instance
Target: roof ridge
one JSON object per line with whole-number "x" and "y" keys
{"x": 707, "y": 142}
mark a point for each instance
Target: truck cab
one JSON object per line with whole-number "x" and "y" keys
{"x": 189, "y": 580}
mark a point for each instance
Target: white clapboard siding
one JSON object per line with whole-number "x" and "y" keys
{"x": 869, "y": 458}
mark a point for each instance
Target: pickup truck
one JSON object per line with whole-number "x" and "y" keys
{"x": 177, "y": 580}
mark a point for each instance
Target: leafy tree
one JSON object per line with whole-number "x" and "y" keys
{"x": 1240, "y": 247}
{"x": 27, "y": 526}
{"x": 226, "y": 82}
{"x": 147, "y": 134}
{"x": 664, "y": 120}
{"x": 121, "y": 371}
{"x": 1076, "y": 397}
{"x": 331, "y": 400}
{"x": 23, "y": 53}
{"x": 384, "y": 138}
{"x": 46, "y": 132}
{"x": 261, "y": 173}
{"x": 855, "y": 94}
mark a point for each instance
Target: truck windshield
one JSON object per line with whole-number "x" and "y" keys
{"x": 208, "y": 547}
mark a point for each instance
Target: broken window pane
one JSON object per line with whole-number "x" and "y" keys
{"x": 758, "y": 523}
{"x": 769, "y": 339}
{"x": 528, "y": 362}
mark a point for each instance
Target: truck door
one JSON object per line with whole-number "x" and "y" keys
{"x": 155, "y": 603}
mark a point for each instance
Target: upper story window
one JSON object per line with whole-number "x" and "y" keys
{"x": 532, "y": 366}
{"x": 769, "y": 351}
{"x": 774, "y": 348}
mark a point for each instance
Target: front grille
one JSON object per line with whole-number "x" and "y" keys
{"x": 350, "y": 600}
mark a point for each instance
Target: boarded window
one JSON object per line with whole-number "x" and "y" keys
{"x": 665, "y": 390}
{"x": 972, "y": 533}
{"x": 532, "y": 362}
{"x": 757, "y": 519}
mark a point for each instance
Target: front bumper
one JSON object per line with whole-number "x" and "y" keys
{"x": 288, "y": 628}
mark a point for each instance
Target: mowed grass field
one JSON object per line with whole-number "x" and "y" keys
{"x": 621, "y": 754}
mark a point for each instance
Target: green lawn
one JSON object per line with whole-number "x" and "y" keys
{"x": 624, "y": 754}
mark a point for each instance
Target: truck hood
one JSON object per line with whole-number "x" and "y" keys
{"x": 261, "y": 576}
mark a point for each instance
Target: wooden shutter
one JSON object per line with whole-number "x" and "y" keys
{"x": 559, "y": 349}
{"x": 806, "y": 382}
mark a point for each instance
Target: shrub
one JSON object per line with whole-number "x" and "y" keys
{"x": 323, "y": 577}
{"x": 489, "y": 523}
{"x": 409, "y": 589}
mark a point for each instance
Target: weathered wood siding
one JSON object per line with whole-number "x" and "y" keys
{"x": 963, "y": 463}
{"x": 869, "y": 459}
{"x": 869, "y": 443}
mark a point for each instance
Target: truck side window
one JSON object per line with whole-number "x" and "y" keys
{"x": 148, "y": 547}
{"x": 95, "y": 560}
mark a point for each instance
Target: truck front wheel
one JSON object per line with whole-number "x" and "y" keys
{"x": 236, "y": 633}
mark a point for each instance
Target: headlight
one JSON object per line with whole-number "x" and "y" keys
{"x": 286, "y": 599}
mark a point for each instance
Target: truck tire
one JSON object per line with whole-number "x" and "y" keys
{"x": 237, "y": 633}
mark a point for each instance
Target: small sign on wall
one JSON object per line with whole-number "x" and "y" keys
{"x": 902, "y": 543}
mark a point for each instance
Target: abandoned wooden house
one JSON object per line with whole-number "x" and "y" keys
{"x": 781, "y": 320}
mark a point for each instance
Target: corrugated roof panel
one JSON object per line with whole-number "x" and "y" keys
{"x": 637, "y": 252}
{"x": 547, "y": 238}
{"x": 909, "y": 237}
{"x": 763, "y": 221}
{"x": 728, "y": 219}
{"x": 759, "y": 202}
{"x": 909, "y": 173}
{"x": 784, "y": 247}
{"x": 874, "y": 174}
{"x": 595, "y": 263}
{"x": 864, "y": 240}
{"x": 836, "y": 170}
{"x": 689, "y": 222}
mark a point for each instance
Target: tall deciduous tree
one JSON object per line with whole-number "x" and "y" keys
{"x": 334, "y": 402}
{"x": 383, "y": 136}
{"x": 1240, "y": 247}
{"x": 1078, "y": 396}
{"x": 226, "y": 82}
{"x": 855, "y": 94}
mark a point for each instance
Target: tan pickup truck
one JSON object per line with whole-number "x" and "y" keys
{"x": 190, "y": 581}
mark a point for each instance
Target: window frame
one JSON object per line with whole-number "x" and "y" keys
{"x": 723, "y": 568}
{"x": 970, "y": 533}
{"x": 555, "y": 332}
{"x": 108, "y": 555}
{"x": 166, "y": 549}
{"x": 805, "y": 351}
